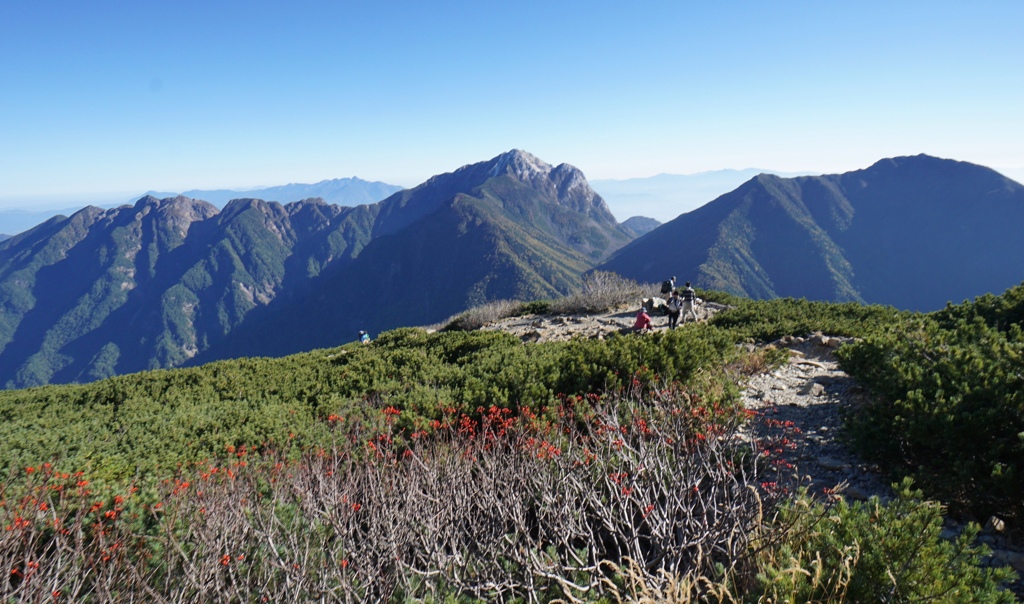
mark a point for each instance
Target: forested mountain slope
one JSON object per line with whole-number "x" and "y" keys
{"x": 913, "y": 232}
{"x": 165, "y": 282}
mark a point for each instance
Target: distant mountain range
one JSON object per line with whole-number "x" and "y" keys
{"x": 342, "y": 191}
{"x": 173, "y": 281}
{"x": 666, "y": 196}
{"x": 17, "y": 220}
{"x": 641, "y": 225}
{"x": 176, "y": 281}
{"x": 913, "y": 232}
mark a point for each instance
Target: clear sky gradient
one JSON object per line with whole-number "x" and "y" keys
{"x": 101, "y": 97}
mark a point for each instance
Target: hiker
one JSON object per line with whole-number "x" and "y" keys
{"x": 675, "y": 307}
{"x": 667, "y": 287}
{"x": 364, "y": 338}
{"x": 689, "y": 297}
{"x": 643, "y": 321}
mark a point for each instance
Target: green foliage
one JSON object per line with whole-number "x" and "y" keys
{"x": 767, "y": 320}
{"x": 149, "y": 422}
{"x": 949, "y": 412}
{"x": 949, "y": 409}
{"x": 537, "y": 307}
{"x": 874, "y": 552}
{"x": 1000, "y": 312}
{"x": 720, "y": 297}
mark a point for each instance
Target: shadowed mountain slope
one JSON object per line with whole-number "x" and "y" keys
{"x": 913, "y": 232}
{"x": 510, "y": 228}
{"x": 165, "y": 282}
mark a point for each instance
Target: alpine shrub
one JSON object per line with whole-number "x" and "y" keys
{"x": 875, "y": 552}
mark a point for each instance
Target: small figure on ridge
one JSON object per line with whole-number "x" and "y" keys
{"x": 689, "y": 297}
{"x": 675, "y": 307}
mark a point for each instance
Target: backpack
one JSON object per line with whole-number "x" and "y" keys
{"x": 666, "y": 287}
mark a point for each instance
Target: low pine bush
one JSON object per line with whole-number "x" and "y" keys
{"x": 874, "y": 552}
{"x": 767, "y": 320}
{"x": 948, "y": 410}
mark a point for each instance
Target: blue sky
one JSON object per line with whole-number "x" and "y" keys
{"x": 101, "y": 98}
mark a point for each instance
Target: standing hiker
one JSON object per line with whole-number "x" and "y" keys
{"x": 667, "y": 287}
{"x": 675, "y": 307}
{"x": 689, "y": 296}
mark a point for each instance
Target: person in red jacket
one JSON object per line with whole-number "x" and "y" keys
{"x": 643, "y": 321}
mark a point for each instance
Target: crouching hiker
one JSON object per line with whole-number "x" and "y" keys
{"x": 643, "y": 321}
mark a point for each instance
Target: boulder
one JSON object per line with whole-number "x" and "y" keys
{"x": 829, "y": 463}
{"x": 655, "y": 304}
{"x": 995, "y": 524}
{"x": 814, "y": 389}
{"x": 532, "y": 336}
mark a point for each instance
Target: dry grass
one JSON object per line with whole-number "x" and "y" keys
{"x": 478, "y": 316}
{"x": 665, "y": 588}
{"x": 602, "y": 291}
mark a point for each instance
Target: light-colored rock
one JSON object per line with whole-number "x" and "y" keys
{"x": 813, "y": 389}
{"x": 995, "y": 524}
{"x": 532, "y": 336}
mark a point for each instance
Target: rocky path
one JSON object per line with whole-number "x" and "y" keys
{"x": 556, "y": 328}
{"x": 799, "y": 421}
{"x": 798, "y": 409}
{"x": 798, "y": 404}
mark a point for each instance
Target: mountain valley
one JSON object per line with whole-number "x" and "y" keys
{"x": 175, "y": 281}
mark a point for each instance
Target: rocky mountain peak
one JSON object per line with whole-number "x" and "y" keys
{"x": 178, "y": 204}
{"x": 570, "y": 185}
{"x": 520, "y": 164}
{"x": 177, "y": 212}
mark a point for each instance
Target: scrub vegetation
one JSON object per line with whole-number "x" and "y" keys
{"x": 465, "y": 466}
